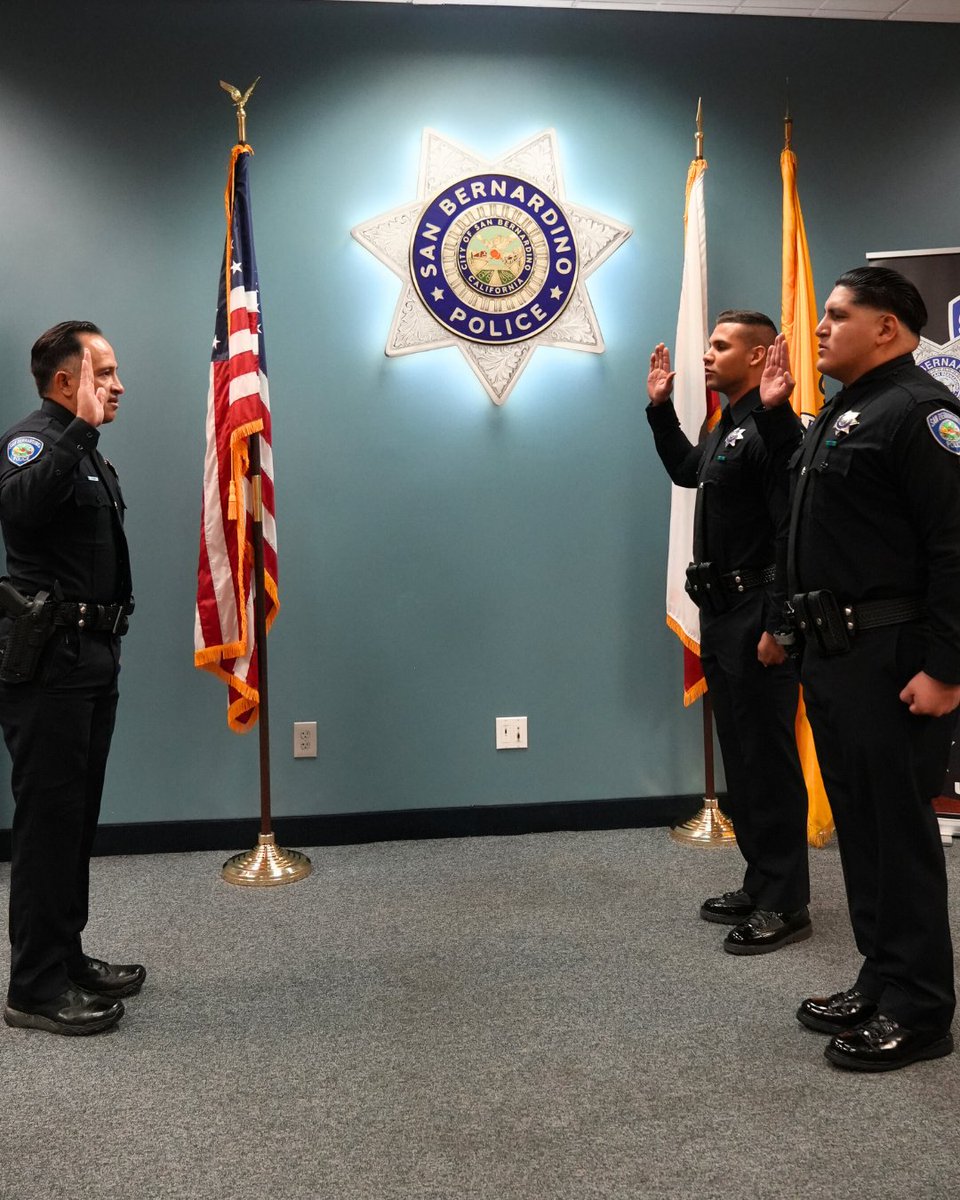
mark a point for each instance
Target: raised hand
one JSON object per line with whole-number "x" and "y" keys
{"x": 660, "y": 379}
{"x": 90, "y": 400}
{"x": 776, "y": 383}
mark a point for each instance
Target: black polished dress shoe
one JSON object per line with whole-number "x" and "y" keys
{"x": 74, "y": 1012}
{"x": 108, "y": 979}
{"x": 729, "y": 909}
{"x": 763, "y": 932}
{"x": 836, "y": 1013}
{"x": 883, "y": 1045}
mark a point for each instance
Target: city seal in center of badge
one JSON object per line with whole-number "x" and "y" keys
{"x": 494, "y": 259}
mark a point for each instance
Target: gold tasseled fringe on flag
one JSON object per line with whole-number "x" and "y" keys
{"x": 690, "y": 695}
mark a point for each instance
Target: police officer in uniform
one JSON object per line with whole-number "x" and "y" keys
{"x": 740, "y": 471}
{"x": 873, "y": 559}
{"x": 66, "y": 600}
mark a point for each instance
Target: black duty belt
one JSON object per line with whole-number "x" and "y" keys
{"x": 709, "y": 588}
{"x": 93, "y": 618}
{"x": 748, "y": 577}
{"x": 832, "y": 625}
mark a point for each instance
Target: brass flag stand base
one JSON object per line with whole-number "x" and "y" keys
{"x": 708, "y": 828}
{"x": 266, "y": 865}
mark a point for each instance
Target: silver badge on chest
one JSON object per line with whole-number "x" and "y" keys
{"x": 846, "y": 421}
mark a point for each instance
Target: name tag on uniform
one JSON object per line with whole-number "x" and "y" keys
{"x": 94, "y": 478}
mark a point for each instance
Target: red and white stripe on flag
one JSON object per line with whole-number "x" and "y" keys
{"x": 238, "y": 406}
{"x": 696, "y": 410}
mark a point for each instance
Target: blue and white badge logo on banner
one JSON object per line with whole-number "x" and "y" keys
{"x": 942, "y": 362}
{"x": 493, "y": 259}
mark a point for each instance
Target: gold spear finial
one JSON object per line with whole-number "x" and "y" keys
{"x": 240, "y": 100}
{"x": 699, "y": 139}
{"x": 787, "y": 121}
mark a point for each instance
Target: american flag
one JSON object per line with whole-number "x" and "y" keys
{"x": 238, "y": 406}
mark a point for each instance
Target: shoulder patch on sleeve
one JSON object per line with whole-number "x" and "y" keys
{"x": 23, "y": 449}
{"x": 944, "y": 425}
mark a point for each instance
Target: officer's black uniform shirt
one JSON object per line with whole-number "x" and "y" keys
{"x": 877, "y": 503}
{"x": 740, "y": 469}
{"x": 61, "y": 511}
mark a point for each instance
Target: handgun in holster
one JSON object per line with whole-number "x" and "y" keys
{"x": 705, "y": 587}
{"x": 30, "y": 629}
{"x": 819, "y": 618}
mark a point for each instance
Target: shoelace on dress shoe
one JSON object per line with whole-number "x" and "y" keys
{"x": 847, "y": 997}
{"x": 877, "y": 1031}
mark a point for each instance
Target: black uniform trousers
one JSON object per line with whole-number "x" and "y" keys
{"x": 58, "y": 728}
{"x": 882, "y": 766}
{"x": 755, "y": 710}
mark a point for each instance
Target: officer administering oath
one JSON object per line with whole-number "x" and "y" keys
{"x": 740, "y": 471}
{"x": 63, "y": 610}
{"x": 873, "y": 561}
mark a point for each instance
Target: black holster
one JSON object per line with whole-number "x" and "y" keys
{"x": 30, "y": 629}
{"x": 820, "y": 619}
{"x": 706, "y": 588}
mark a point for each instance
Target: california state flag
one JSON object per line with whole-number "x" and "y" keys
{"x": 696, "y": 410}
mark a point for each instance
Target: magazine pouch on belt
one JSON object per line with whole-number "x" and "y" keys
{"x": 821, "y": 620}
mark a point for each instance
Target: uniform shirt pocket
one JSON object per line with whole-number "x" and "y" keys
{"x": 88, "y": 493}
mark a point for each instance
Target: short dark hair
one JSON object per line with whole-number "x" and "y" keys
{"x": 888, "y": 290}
{"x": 53, "y": 348}
{"x": 745, "y": 316}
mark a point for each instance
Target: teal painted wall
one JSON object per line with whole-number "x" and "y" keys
{"x": 442, "y": 561}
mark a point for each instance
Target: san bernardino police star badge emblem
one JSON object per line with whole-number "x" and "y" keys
{"x": 493, "y": 259}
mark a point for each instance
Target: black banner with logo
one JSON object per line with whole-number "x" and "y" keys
{"x": 936, "y": 274}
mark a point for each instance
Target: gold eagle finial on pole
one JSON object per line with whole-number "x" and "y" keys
{"x": 240, "y": 100}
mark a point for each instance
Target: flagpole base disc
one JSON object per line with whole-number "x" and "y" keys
{"x": 710, "y": 827}
{"x": 266, "y": 865}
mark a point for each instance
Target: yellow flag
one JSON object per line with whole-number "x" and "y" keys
{"x": 798, "y": 319}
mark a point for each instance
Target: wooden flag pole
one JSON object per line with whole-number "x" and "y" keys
{"x": 787, "y": 120}
{"x": 266, "y": 864}
{"x": 260, "y": 634}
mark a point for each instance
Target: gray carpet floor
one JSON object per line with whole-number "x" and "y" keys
{"x": 528, "y": 1018}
